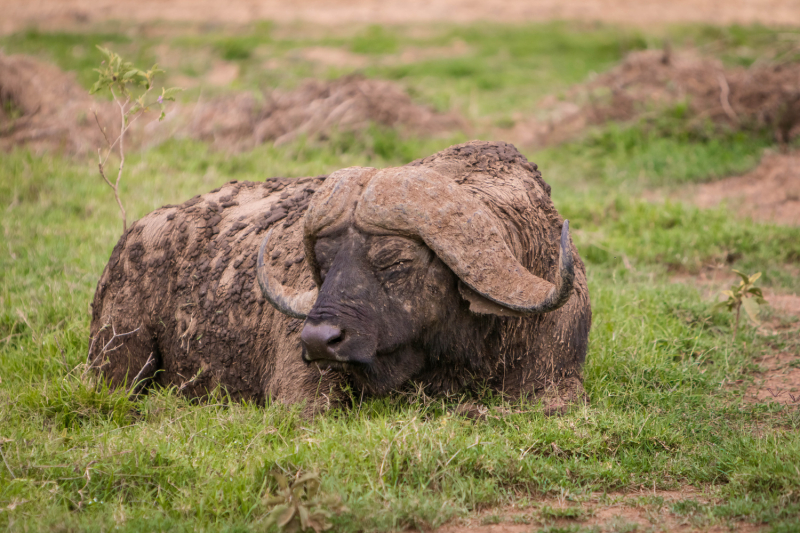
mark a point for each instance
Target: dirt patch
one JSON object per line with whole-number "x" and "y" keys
{"x": 778, "y": 380}
{"x": 650, "y": 80}
{"x": 60, "y": 14}
{"x": 770, "y": 193}
{"x": 46, "y": 108}
{"x": 222, "y": 73}
{"x": 643, "y": 511}
{"x": 331, "y": 57}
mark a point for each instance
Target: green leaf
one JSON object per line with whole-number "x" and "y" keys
{"x": 745, "y": 277}
{"x": 720, "y": 305}
{"x": 756, "y": 291}
{"x": 105, "y": 51}
{"x": 754, "y": 277}
{"x": 751, "y": 307}
{"x": 167, "y": 93}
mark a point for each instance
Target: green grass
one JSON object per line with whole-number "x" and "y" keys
{"x": 661, "y": 361}
{"x": 637, "y": 156}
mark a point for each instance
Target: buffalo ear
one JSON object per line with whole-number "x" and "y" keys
{"x": 483, "y": 306}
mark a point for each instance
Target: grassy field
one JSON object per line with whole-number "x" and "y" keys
{"x": 664, "y": 375}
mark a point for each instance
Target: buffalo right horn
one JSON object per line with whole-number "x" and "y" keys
{"x": 284, "y": 299}
{"x": 465, "y": 235}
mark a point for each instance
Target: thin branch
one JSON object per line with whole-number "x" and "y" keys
{"x": 122, "y": 132}
{"x": 103, "y": 131}
{"x": 115, "y": 336}
{"x": 724, "y": 93}
{"x": 136, "y": 379}
{"x": 187, "y": 383}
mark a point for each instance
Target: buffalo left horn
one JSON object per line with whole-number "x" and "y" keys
{"x": 284, "y": 299}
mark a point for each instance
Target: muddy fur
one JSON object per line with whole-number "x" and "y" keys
{"x": 178, "y": 303}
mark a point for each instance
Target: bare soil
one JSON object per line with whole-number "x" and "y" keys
{"x": 45, "y": 108}
{"x": 61, "y": 14}
{"x": 648, "y": 81}
{"x": 770, "y": 193}
{"x": 778, "y": 380}
{"x": 643, "y": 511}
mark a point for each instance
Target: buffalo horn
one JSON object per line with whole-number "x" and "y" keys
{"x": 466, "y": 235}
{"x": 284, "y": 299}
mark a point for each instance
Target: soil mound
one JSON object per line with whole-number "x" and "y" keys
{"x": 771, "y": 192}
{"x": 45, "y": 108}
{"x": 315, "y": 109}
{"x": 648, "y": 81}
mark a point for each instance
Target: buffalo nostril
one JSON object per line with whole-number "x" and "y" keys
{"x": 319, "y": 340}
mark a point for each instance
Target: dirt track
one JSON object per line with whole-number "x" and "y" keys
{"x": 65, "y": 13}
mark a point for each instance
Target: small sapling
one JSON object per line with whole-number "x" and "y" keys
{"x": 130, "y": 87}
{"x": 744, "y": 295}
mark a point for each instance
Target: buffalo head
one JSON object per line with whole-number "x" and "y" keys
{"x": 406, "y": 263}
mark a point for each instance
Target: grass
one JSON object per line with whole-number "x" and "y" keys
{"x": 75, "y": 457}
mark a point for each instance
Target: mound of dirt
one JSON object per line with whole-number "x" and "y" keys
{"x": 647, "y": 81}
{"x": 46, "y": 109}
{"x": 770, "y": 193}
{"x": 315, "y": 109}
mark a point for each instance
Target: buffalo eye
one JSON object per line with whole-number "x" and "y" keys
{"x": 325, "y": 251}
{"x": 392, "y": 255}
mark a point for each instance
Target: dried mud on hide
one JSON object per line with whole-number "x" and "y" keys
{"x": 650, "y": 80}
{"x": 45, "y": 108}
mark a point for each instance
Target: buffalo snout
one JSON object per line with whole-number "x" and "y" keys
{"x": 321, "y": 341}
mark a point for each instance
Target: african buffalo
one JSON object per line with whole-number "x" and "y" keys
{"x": 454, "y": 272}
